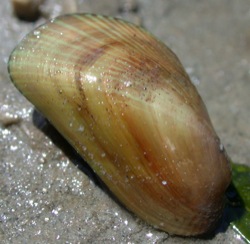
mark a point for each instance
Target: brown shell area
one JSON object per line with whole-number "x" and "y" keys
{"x": 124, "y": 101}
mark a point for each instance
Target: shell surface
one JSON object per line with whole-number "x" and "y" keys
{"x": 124, "y": 101}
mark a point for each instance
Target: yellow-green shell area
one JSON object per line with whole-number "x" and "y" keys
{"x": 125, "y": 103}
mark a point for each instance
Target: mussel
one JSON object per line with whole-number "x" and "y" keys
{"x": 123, "y": 100}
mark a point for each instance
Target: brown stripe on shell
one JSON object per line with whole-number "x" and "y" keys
{"x": 150, "y": 45}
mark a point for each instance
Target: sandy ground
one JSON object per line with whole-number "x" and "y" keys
{"x": 47, "y": 193}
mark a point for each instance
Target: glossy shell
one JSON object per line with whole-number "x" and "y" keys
{"x": 124, "y": 101}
